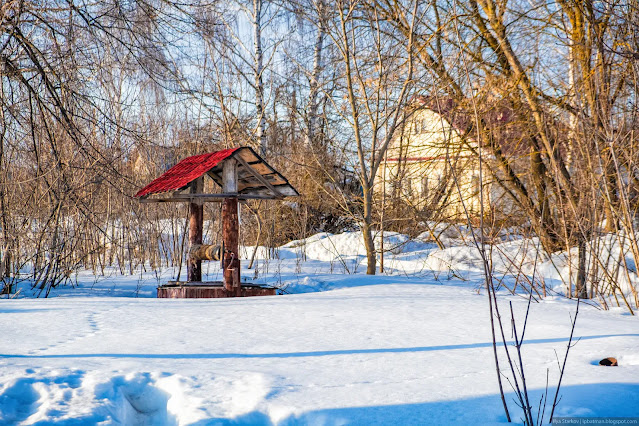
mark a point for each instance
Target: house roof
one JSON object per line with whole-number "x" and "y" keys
{"x": 506, "y": 119}
{"x": 250, "y": 167}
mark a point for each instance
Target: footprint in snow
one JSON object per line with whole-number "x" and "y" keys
{"x": 19, "y": 401}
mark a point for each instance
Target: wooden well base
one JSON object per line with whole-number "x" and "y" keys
{"x": 208, "y": 290}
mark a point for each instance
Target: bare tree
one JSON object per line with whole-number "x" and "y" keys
{"x": 377, "y": 79}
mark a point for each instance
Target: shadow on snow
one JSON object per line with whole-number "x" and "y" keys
{"x": 306, "y": 354}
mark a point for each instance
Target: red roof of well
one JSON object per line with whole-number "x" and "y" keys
{"x": 185, "y": 172}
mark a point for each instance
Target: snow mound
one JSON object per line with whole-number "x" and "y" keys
{"x": 504, "y": 258}
{"x": 609, "y": 260}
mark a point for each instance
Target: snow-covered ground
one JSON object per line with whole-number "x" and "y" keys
{"x": 410, "y": 347}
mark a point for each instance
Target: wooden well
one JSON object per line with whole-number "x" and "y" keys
{"x": 242, "y": 175}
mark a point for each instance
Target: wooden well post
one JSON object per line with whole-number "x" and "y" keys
{"x": 196, "y": 223}
{"x": 230, "y": 229}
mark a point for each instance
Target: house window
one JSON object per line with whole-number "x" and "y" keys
{"x": 416, "y": 127}
{"x": 396, "y": 186}
{"x": 424, "y": 125}
{"x": 475, "y": 184}
{"x": 424, "y": 186}
{"x": 389, "y": 186}
{"x": 408, "y": 186}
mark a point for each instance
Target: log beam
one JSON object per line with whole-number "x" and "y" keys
{"x": 205, "y": 198}
{"x": 205, "y": 252}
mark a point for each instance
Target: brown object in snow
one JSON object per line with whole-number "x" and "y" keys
{"x": 609, "y": 362}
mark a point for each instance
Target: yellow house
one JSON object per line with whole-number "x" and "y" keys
{"x": 432, "y": 163}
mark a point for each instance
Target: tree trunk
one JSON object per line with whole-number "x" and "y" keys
{"x": 371, "y": 257}
{"x": 367, "y": 233}
{"x": 581, "y": 290}
{"x": 258, "y": 70}
{"x": 314, "y": 80}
